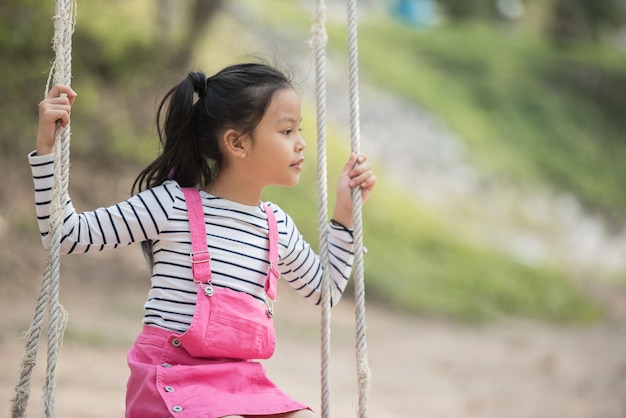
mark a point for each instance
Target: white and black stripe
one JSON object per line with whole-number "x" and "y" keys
{"x": 237, "y": 236}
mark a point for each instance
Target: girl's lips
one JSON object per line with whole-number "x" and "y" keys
{"x": 298, "y": 165}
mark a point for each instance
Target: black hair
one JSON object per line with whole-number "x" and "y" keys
{"x": 189, "y": 129}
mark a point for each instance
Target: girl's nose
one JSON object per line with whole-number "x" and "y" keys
{"x": 301, "y": 144}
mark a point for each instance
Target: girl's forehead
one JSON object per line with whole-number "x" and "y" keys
{"x": 284, "y": 106}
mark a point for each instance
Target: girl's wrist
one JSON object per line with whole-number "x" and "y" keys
{"x": 339, "y": 224}
{"x": 43, "y": 148}
{"x": 343, "y": 216}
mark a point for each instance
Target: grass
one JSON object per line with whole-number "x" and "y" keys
{"x": 419, "y": 264}
{"x": 529, "y": 111}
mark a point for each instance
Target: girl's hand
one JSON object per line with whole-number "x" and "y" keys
{"x": 351, "y": 177}
{"x": 55, "y": 108}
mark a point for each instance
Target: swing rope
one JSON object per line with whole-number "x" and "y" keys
{"x": 48, "y": 299}
{"x": 320, "y": 40}
{"x": 362, "y": 364}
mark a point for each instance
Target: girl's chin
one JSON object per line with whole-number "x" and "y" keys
{"x": 291, "y": 183}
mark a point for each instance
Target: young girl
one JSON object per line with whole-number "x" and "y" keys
{"x": 224, "y": 139}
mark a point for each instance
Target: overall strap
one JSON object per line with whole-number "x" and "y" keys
{"x": 200, "y": 256}
{"x": 273, "y": 273}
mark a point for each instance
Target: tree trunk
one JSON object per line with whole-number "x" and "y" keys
{"x": 201, "y": 13}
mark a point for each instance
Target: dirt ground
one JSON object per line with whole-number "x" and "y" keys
{"x": 420, "y": 367}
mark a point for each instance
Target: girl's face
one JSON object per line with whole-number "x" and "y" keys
{"x": 276, "y": 154}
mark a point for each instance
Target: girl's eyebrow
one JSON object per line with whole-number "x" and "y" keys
{"x": 288, "y": 119}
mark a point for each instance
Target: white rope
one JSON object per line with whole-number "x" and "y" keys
{"x": 362, "y": 365}
{"x": 319, "y": 41}
{"x": 48, "y": 299}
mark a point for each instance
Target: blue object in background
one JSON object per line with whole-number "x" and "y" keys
{"x": 422, "y": 13}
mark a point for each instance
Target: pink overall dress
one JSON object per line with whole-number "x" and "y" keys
{"x": 167, "y": 381}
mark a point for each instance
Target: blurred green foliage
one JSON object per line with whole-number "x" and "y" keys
{"x": 530, "y": 111}
{"x": 561, "y": 21}
{"x": 421, "y": 264}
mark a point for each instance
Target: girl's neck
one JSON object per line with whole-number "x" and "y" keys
{"x": 228, "y": 188}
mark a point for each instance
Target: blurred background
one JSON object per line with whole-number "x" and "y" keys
{"x": 496, "y": 269}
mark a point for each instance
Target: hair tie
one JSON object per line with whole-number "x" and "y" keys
{"x": 199, "y": 82}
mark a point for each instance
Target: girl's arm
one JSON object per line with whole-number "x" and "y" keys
{"x": 137, "y": 219}
{"x": 301, "y": 267}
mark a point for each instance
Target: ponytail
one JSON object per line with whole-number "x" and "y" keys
{"x": 182, "y": 158}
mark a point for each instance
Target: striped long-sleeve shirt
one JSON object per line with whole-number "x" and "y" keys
{"x": 237, "y": 237}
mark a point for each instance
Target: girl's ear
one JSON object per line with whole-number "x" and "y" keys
{"x": 235, "y": 144}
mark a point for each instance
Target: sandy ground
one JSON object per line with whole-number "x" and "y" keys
{"x": 420, "y": 367}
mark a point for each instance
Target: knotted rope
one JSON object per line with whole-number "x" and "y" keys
{"x": 319, "y": 43}
{"x": 48, "y": 299}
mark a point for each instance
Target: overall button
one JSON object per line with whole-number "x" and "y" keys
{"x": 166, "y": 365}
{"x": 177, "y": 408}
{"x": 169, "y": 389}
{"x": 175, "y": 342}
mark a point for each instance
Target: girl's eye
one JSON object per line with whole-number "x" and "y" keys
{"x": 290, "y": 131}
